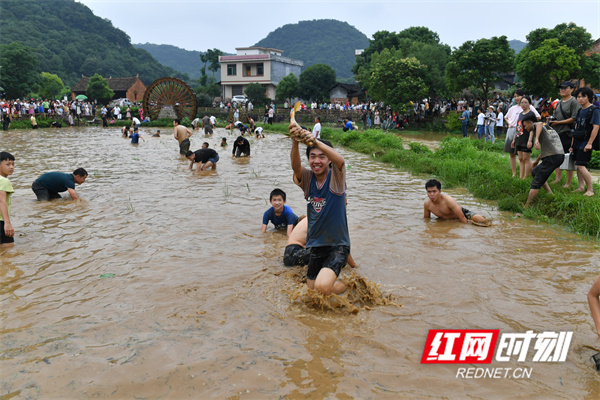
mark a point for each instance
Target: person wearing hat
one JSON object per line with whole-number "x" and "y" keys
{"x": 563, "y": 122}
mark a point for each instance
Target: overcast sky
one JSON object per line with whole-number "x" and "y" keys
{"x": 225, "y": 24}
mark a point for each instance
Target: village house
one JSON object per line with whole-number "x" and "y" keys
{"x": 345, "y": 93}
{"x": 130, "y": 87}
{"x": 255, "y": 65}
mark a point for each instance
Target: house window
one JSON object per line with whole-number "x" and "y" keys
{"x": 248, "y": 71}
{"x": 260, "y": 69}
{"x": 231, "y": 69}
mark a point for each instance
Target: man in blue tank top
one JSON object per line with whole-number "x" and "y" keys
{"x": 324, "y": 186}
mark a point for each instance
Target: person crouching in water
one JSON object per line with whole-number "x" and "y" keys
{"x": 207, "y": 158}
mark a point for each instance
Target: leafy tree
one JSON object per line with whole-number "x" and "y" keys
{"x": 590, "y": 70}
{"x": 394, "y": 79}
{"x": 212, "y": 56}
{"x": 203, "y": 100}
{"x": 567, "y": 44}
{"x": 20, "y": 70}
{"x": 203, "y": 81}
{"x": 50, "y": 85}
{"x": 287, "y": 88}
{"x": 213, "y": 90}
{"x": 420, "y": 34}
{"x": 315, "y": 82}
{"x": 547, "y": 66}
{"x": 256, "y": 93}
{"x": 418, "y": 42}
{"x": 479, "y": 64}
{"x": 204, "y": 59}
{"x": 98, "y": 89}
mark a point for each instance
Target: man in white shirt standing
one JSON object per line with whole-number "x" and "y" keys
{"x": 317, "y": 128}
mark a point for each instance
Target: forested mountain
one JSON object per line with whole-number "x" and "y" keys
{"x": 516, "y": 45}
{"x": 70, "y": 41}
{"x": 324, "y": 41}
{"x": 186, "y": 61}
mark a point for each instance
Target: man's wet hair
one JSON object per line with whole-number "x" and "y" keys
{"x": 585, "y": 91}
{"x": 206, "y": 143}
{"x": 80, "y": 172}
{"x": 277, "y": 192}
{"x": 529, "y": 117}
{"x": 189, "y": 153}
{"x": 309, "y": 148}
{"x": 433, "y": 183}
{"x": 177, "y": 120}
{"x": 5, "y": 155}
{"x": 239, "y": 139}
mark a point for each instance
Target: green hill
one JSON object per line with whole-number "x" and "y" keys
{"x": 324, "y": 41}
{"x": 516, "y": 45}
{"x": 70, "y": 41}
{"x": 185, "y": 61}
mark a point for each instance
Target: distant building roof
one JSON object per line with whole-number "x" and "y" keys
{"x": 267, "y": 49}
{"x": 594, "y": 49}
{"x": 115, "y": 84}
{"x": 351, "y": 90}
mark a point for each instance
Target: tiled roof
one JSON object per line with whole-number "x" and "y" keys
{"x": 116, "y": 84}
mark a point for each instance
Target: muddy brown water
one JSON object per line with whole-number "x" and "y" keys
{"x": 199, "y": 305}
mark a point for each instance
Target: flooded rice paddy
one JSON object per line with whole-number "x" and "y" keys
{"x": 159, "y": 286}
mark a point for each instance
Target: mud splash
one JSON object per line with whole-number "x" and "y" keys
{"x": 361, "y": 294}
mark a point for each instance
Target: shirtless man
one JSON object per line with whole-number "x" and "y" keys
{"x": 182, "y": 134}
{"x": 444, "y": 206}
{"x": 251, "y": 125}
{"x": 296, "y": 252}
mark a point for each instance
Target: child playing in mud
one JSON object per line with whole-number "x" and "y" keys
{"x": 324, "y": 186}
{"x": 296, "y": 252}
{"x": 445, "y": 207}
{"x": 224, "y": 142}
{"x": 279, "y": 214}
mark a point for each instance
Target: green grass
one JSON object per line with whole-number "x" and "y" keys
{"x": 480, "y": 167}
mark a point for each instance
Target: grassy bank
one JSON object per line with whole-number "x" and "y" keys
{"x": 483, "y": 169}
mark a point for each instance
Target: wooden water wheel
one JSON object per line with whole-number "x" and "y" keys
{"x": 167, "y": 96}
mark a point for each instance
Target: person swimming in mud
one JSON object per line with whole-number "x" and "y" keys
{"x": 296, "y": 252}
{"x": 445, "y": 207}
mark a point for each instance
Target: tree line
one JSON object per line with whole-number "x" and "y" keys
{"x": 401, "y": 67}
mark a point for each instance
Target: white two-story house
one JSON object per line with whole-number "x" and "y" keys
{"x": 256, "y": 65}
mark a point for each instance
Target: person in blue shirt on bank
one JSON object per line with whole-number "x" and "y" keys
{"x": 464, "y": 118}
{"x": 347, "y": 125}
{"x": 49, "y": 185}
{"x": 279, "y": 214}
